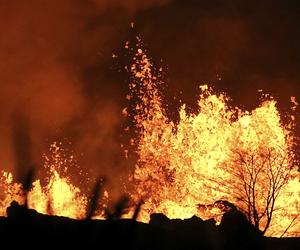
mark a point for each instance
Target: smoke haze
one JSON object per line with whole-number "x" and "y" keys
{"x": 57, "y": 79}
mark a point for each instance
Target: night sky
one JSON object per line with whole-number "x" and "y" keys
{"x": 57, "y": 75}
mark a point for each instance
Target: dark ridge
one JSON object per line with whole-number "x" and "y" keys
{"x": 25, "y": 228}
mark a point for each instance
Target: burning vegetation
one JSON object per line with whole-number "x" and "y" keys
{"x": 216, "y": 159}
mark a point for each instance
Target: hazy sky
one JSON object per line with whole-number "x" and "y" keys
{"x": 57, "y": 74}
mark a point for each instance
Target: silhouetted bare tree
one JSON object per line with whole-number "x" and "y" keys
{"x": 259, "y": 178}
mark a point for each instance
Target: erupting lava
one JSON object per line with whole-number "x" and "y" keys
{"x": 219, "y": 153}
{"x": 58, "y": 197}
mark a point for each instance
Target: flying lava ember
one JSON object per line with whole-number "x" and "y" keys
{"x": 185, "y": 168}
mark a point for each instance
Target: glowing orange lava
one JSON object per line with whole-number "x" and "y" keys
{"x": 58, "y": 197}
{"x": 217, "y": 153}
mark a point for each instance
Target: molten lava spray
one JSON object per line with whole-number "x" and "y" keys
{"x": 58, "y": 197}
{"x": 217, "y": 153}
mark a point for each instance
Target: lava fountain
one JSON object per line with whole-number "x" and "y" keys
{"x": 219, "y": 153}
{"x": 58, "y": 197}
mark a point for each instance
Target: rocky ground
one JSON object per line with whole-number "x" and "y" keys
{"x": 28, "y": 229}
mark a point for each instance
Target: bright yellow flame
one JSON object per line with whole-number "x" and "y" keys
{"x": 9, "y": 191}
{"x": 59, "y": 197}
{"x": 209, "y": 155}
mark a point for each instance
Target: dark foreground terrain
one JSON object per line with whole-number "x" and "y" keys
{"x": 27, "y": 229}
